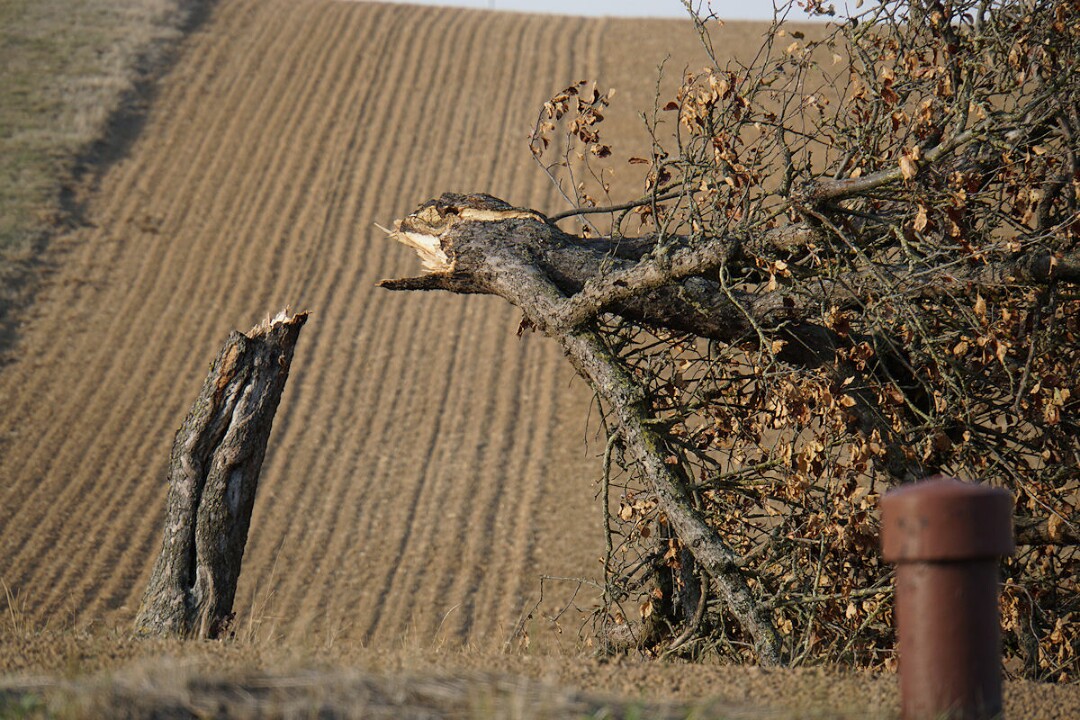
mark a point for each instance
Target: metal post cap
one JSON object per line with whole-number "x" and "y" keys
{"x": 942, "y": 519}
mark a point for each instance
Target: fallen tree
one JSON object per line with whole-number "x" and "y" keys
{"x": 856, "y": 266}
{"x": 480, "y": 244}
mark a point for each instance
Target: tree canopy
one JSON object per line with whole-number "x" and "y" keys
{"x": 854, "y": 264}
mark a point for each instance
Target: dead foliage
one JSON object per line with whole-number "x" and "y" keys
{"x": 903, "y": 190}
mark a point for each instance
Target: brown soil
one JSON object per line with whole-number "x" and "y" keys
{"x": 427, "y": 466}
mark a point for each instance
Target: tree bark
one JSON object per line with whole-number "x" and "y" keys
{"x": 464, "y": 239}
{"x": 1052, "y": 530}
{"x": 213, "y": 476}
{"x": 594, "y": 361}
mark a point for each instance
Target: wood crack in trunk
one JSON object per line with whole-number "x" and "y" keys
{"x": 213, "y": 476}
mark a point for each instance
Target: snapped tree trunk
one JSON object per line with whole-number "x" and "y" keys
{"x": 213, "y": 475}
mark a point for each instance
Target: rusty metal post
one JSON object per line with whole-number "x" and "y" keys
{"x": 946, "y": 538}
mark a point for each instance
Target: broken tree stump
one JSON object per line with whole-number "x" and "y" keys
{"x": 213, "y": 475}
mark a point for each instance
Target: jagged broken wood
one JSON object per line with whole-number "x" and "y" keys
{"x": 465, "y": 240}
{"x": 213, "y": 475}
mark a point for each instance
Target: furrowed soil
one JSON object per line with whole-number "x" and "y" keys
{"x": 427, "y": 466}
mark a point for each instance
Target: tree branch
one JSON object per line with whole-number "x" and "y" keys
{"x": 668, "y": 287}
{"x": 825, "y": 189}
{"x": 661, "y": 197}
{"x": 1047, "y": 531}
{"x": 528, "y": 262}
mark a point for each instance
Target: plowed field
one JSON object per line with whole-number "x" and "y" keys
{"x": 426, "y": 464}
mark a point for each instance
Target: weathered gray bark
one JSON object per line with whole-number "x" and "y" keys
{"x": 213, "y": 476}
{"x": 478, "y": 244}
{"x": 668, "y": 286}
{"x": 595, "y": 362}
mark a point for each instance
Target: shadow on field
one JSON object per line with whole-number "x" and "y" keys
{"x": 127, "y": 121}
{"x": 21, "y": 278}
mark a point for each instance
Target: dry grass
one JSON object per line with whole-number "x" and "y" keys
{"x": 402, "y": 686}
{"x": 70, "y": 672}
{"x": 64, "y": 670}
{"x": 70, "y": 75}
{"x": 15, "y": 616}
{"x": 173, "y": 689}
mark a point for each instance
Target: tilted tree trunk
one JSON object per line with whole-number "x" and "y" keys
{"x": 213, "y": 475}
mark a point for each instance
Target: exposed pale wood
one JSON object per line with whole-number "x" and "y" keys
{"x": 669, "y": 285}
